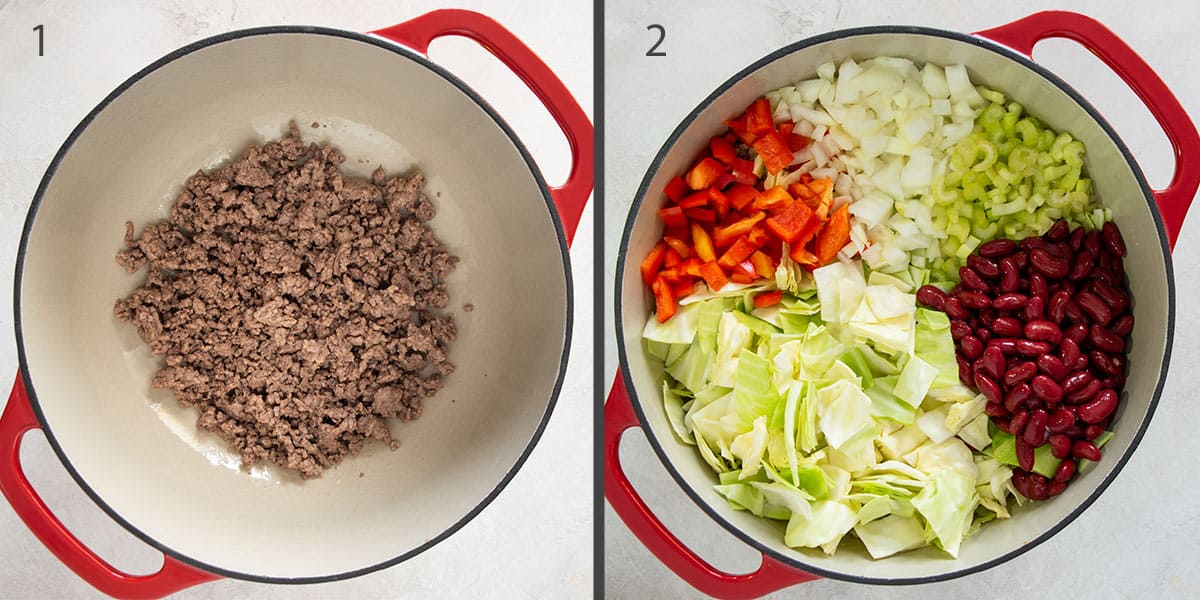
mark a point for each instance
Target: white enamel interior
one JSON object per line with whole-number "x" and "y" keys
{"x": 141, "y": 454}
{"x": 1116, "y": 187}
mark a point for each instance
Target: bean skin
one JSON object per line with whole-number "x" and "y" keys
{"x": 1094, "y": 306}
{"x": 1046, "y": 388}
{"x": 1109, "y": 364}
{"x": 1091, "y": 242}
{"x": 1077, "y": 332}
{"x": 1076, "y": 239}
{"x": 1123, "y": 326}
{"x": 1043, "y": 331}
{"x": 997, "y": 248}
{"x": 1017, "y": 397}
{"x": 1068, "y": 351}
{"x": 1052, "y": 366}
{"x": 932, "y": 296}
{"x": 1047, "y": 264}
{"x": 1106, "y": 341}
{"x": 1113, "y": 297}
{"x": 1013, "y": 301}
{"x": 1059, "y": 230}
{"x": 1025, "y": 454}
{"x": 993, "y": 362}
{"x": 1010, "y": 275}
{"x": 1112, "y": 239}
{"x": 955, "y": 310}
{"x": 1084, "y": 263}
{"x": 1087, "y": 392}
{"x": 971, "y": 279}
{"x": 1036, "y": 309}
{"x": 1065, "y": 471}
{"x": 1060, "y": 445}
{"x": 971, "y": 347}
{"x": 988, "y": 269}
{"x": 1060, "y": 421}
{"x": 1031, "y": 348}
{"x": 1103, "y": 405}
{"x": 959, "y": 329}
{"x": 1038, "y": 288}
{"x": 1085, "y": 450}
{"x": 1076, "y": 381}
{"x": 1020, "y": 373}
{"x": 1035, "y": 429}
{"x": 1007, "y": 327}
{"x": 1056, "y": 309}
{"x": 1006, "y": 345}
{"x": 988, "y": 387}
{"x": 974, "y": 299}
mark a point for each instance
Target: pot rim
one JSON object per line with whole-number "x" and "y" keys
{"x": 983, "y": 44}
{"x": 403, "y": 52}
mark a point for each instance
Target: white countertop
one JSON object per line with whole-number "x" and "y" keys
{"x": 1138, "y": 539}
{"x": 534, "y": 541}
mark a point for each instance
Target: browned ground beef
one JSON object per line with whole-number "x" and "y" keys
{"x": 295, "y": 308}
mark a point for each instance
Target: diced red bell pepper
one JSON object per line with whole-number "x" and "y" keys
{"x": 673, "y": 216}
{"x": 773, "y": 200}
{"x": 679, "y": 246}
{"x": 762, "y": 264}
{"x": 722, "y": 182}
{"x": 702, "y": 242}
{"x": 785, "y": 128}
{"x": 719, "y": 201}
{"x": 738, "y": 127}
{"x": 743, "y": 171}
{"x": 740, "y": 196}
{"x": 672, "y": 258}
{"x": 796, "y": 142}
{"x": 653, "y": 263}
{"x": 682, "y": 288}
{"x": 758, "y": 118}
{"x": 704, "y": 173}
{"x": 757, "y": 235}
{"x": 773, "y": 248}
{"x": 676, "y": 189}
{"x": 722, "y": 150}
{"x": 834, "y": 235}
{"x": 801, "y": 191}
{"x": 774, "y": 151}
{"x": 801, "y": 256}
{"x": 694, "y": 200}
{"x": 679, "y": 232}
{"x": 689, "y": 267}
{"x": 767, "y": 299}
{"x": 726, "y": 235}
{"x": 664, "y": 300}
{"x": 738, "y": 252}
{"x": 740, "y": 274}
{"x": 713, "y": 275}
{"x": 790, "y": 223}
{"x": 704, "y": 215}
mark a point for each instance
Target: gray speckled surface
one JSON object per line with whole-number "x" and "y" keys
{"x": 534, "y": 541}
{"x": 1137, "y": 540}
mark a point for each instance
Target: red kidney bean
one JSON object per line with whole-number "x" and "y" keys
{"x": 1035, "y": 429}
{"x": 1020, "y": 373}
{"x": 1055, "y": 488}
{"x": 1039, "y": 487}
{"x": 988, "y": 387}
{"x": 1106, "y": 276}
{"x": 1086, "y": 450}
{"x": 997, "y": 248}
{"x": 1021, "y": 258}
{"x": 1038, "y": 288}
{"x": 1060, "y": 420}
{"x": 1016, "y": 425}
{"x": 964, "y": 373}
{"x": 1093, "y": 431}
{"x": 1007, "y": 327}
{"x": 1091, "y": 242}
{"x": 1031, "y": 243}
{"x": 1013, "y": 301}
{"x": 1036, "y": 309}
{"x": 1113, "y": 297}
{"x": 974, "y": 299}
{"x": 1076, "y": 240}
{"x": 1010, "y": 275}
{"x": 1115, "y": 382}
{"x": 1112, "y": 365}
{"x": 1065, "y": 470}
{"x": 1076, "y": 381}
{"x": 983, "y": 334}
{"x": 1075, "y": 432}
{"x": 988, "y": 269}
{"x": 1087, "y": 392}
{"x": 1017, "y": 396}
{"x": 971, "y": 347}
{"x": 1094, "y": 307}
{"x": 995, "y": 409}
{"x": 1047, "y": 264}
{"x": 1020, "y": 481}
{"x": 1060, "y": 445}
{"x": 1099, "y": 408}
{"x": 1056, "y": 309}
{"x": 1112, "y": 239}
{"x": 932, "y": 296}
{"x": 1043, "y": 331}
{"x": 1068, "y": 351}
{"x": 1122, "y": 326}
{"x": 1059, "y": 230}
{"x": 1006, "y": 345}
{"x": 1076, "y": 333}
{"x": 971, "y": 279}
{"x": 993, "y": 362}
{"x": 959, "y": 329}
{"x": 1084, "y": 263}
{"x": 1052, "y": 366}
{"x": 1032, "y": 348}
{"x": 955, "y": 310}
{"x": 1081, "y": 363}
{"x": 1046, "y": 389}
{"x": 1103, "y": 340}
{"x": 1024, "y": 454}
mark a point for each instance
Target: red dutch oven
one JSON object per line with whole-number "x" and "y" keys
{"x": 1150, "y": 220}
{"x": 85, "y": 376}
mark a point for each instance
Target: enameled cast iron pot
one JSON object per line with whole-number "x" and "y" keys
{"x": 85, "y": 376}
{"x": 1149, "y": 219}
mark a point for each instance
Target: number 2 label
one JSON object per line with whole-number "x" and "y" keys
{"x": 662, "y": 35}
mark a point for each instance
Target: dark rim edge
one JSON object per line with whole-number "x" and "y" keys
{"x": 982, "y": 43}
{"x": 359, "y": 37}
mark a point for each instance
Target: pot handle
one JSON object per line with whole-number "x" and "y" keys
{"x": 771, "y": 574}
{"x": 18, "y": 418}
{"x": 1173, "y": 202}
{"x": 570, "y": 197}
